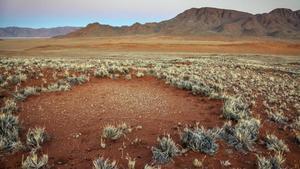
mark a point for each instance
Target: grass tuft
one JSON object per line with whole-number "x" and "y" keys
{"x": 102, "y": 163}
{"x": 9, "y": 133}
{"x": 34, "y": 162}
{"x": 165, "y": 151}
{"x": 115, "y": 132}
{"x": 243, "y": 135}
{"x": 35, "y": 137}
{"x": 10, "y": 106}
{"x": 275, "y": 144}
{"x": 235, "y": 109}
{"x": 274, "y": 162}
{"x": 200, "y": 139}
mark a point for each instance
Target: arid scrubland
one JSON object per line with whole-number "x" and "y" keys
{"x": 259, "y": 97}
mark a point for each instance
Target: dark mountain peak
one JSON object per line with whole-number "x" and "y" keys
{"x": 95, "y": 24}
{"x": 282, "y": 12}
{"x": 210, "y": 11}
{"x": 136, "y": 24}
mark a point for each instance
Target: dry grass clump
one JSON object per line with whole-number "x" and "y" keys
{"x": 9, "y": 133}
{"x": 296, "y": 123}
{"x": 35, "y": 137}
{"x": 34, "y": 162}
{"x": 275, "y": 144}
{"x": 27, "y": 91}
{"x": 200, "y": 139}
{"x": 165, "y": 150}
{"x": 202, "y": 89}
{"x": 273, "y": 162}
{"x": 10, "y": 106}
{"x": 17, "y": 78}
{"x": 101, "y": 72}
{"x": 115, "y": 132}
{"x": 278, "y": 117}
{"x": 128, "y": 77}
{"x": 198, "y": 163}
{"x": 243, "y": 135}
{"x": 151, "y": 167}
{"x": 140, "y": 74}
{"x": 297, "y": 136}
{"x": 76, "y": 80}
{"x": 235, "y": 108}
{"x": 102, "y": 163}
{"x": 61, "y": 85}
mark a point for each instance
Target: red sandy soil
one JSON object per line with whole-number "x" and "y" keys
{"x": 147, "y": 102}
{"x": 78, "y": 47}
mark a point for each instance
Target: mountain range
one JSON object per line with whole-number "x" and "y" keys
{"x": 279, "y": 22}
{"x": 40, "y": 32}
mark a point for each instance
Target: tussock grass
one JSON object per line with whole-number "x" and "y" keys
{"x": 243, "y": 135}
{"x": 9, "y": 133}
{"x": 77, "y": 80}
{"x": 61, "y": 85}
{"x": 275, "y": 144}
{"x": 115, "y": 132}
{"x": 202, "y": 89}
{"x": 273, "y": 162}
{"x": 151, "y": 167}
{"x": 165, "y": 150}
{"x": 24, "y": 93}
{"x": 18, "y": 78}
{"x": 200, "y": 139}
{"x": 35, "y": 137}
{"x": 34, "y": 162}
{"x": 102, "y": 163}
{"x": 140, "y": 74}
{"x": 235, "y": 108}
{"x": 278, "y": 117}
{"x": 296, "y": 123}
{"x": 10, "y": 106}
{"x": 101, "y": 72}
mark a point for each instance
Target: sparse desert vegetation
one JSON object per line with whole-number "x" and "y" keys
{"x": 218, "y": 111}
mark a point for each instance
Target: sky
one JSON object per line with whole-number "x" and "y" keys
{"x": 53, "y": 13}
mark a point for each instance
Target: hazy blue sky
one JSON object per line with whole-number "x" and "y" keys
{"x": 50, "y": 13}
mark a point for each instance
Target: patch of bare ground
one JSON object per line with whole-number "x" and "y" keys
{"x": 85, "y": 109}
{"x": 75, "y": 119}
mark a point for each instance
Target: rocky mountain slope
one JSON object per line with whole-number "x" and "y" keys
{"x": 204, "y": 21}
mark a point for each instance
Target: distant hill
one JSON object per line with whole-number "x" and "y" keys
{"x": 30, "y": 32}
{"x": 205, "y": 21}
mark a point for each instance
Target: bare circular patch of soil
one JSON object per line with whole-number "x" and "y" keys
{"x": 75, "y": 119}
